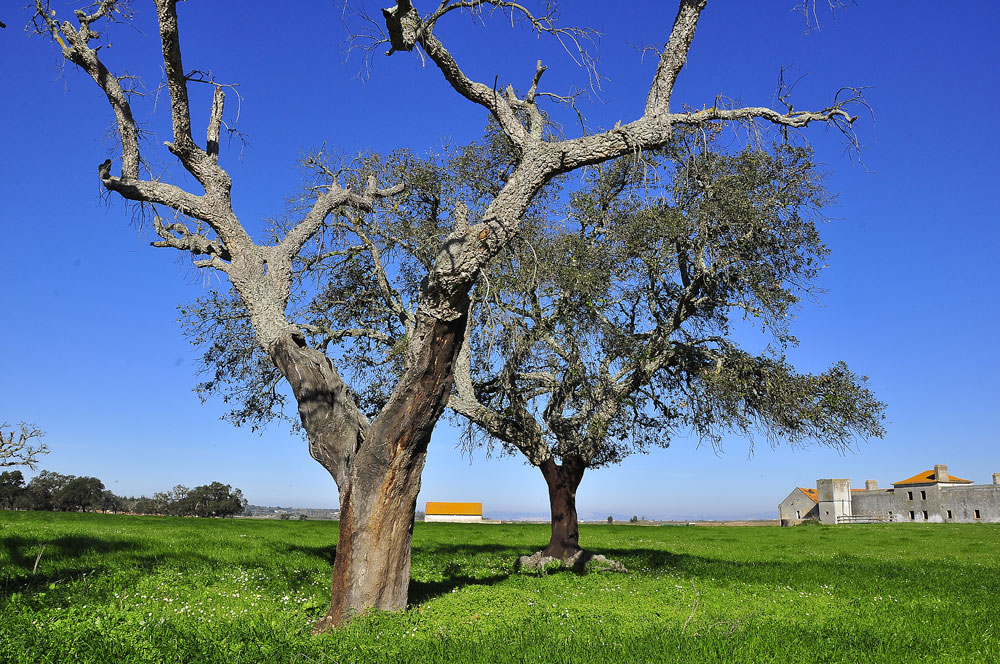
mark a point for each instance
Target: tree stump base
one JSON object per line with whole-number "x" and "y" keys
{"x": 578, "y": 562}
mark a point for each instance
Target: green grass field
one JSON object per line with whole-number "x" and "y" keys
{"x": 151, "y": 589}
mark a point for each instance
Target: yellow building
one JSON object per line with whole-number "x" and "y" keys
{"x": 454, "y": 512}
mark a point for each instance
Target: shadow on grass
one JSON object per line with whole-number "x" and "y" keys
{"x": 862, "y": 568}
{"x": 467, "y": 549}
{"x": 37, "y": 562}
{"x": 323, "y": 552}
{"x": 920, "y": 575}
{"x": 421, "y": 591}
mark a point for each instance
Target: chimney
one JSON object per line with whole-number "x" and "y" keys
{"x": 941, "y": 473}
{"x": 996, "y": 478}
{"x": 870, "y": 485}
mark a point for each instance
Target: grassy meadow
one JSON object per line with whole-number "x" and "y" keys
{"x": 158, "y": 589}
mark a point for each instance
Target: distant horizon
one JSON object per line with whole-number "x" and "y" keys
{"x": 720, "y": 512}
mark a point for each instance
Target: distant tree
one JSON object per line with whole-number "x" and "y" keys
{"x": 163, "y": 501}
{"x": 79, "y": 494}
{"x": 144, "y": 505}
{"x": 16, "y": 448}
{"x": 11, "y": 486}
{"x": 179, "y": 501}
{"x": 112, "y": 503}
{"x": 41, "y": 492}
{"x": 217, "y": 500}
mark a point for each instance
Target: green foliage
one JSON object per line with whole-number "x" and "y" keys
{"x": 338, "y": 298}
{"x": 210, "y": 500}
{"x": 614, "y": 323}
{"x": 11, "y": 486}
{"x": 42, "y": 492}
{"x": 68, "y": 493}
{"x": 80, "y": 493}
{"x": 604, "y": 328}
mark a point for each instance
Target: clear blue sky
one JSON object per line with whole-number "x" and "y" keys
{"x": 92, "y": 354}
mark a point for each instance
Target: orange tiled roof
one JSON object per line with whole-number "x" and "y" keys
{"x": 811, "y": 493}
{"x": 929, "y": 476}
{"x": 464, "y": 509}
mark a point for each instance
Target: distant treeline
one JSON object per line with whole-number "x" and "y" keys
{"x": 50, "y": 491}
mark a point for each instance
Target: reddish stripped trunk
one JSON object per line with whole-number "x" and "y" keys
{"x": 562, "y": 482}
{"x": 378, "y": 499}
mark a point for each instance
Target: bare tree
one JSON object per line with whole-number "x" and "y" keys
{"x": 16, "y": 447}
{"x": 376, "y": 462}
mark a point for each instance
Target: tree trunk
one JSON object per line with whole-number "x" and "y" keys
{"x": 372, "y": 567}
{"x": 562, "y": 482}
{"x": 378, "y": 497}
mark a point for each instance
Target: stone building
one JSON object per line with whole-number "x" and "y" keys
{"x": 933, "y": 496}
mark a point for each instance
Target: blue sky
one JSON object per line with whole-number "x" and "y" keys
{"x": 92, "y": 354}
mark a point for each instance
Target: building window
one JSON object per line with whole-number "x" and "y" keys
{"x": 977, "y": 514}
{"x": 798, "y": 514}
{"x": 949, "y": 514}
{"x": 913, "y": 515}
{"x": 909, "y": 495}
{"x": 925, "y": 515}
{"x": 923, "y": 495}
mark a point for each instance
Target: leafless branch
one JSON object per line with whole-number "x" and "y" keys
{"x": 16, "y": 448}
{"x": 178, "y": 236}
{"x": 810, "y": 11}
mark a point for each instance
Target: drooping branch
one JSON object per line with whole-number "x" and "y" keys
{"x": 836, "y": 115}
{"x": 517, "y": 428}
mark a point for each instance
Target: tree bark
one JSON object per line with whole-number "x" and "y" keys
{"x": 378, "y": 500}
{"x": 563, "y": 481}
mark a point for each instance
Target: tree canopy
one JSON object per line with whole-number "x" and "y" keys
{"x": 609, "y": 325}
{"x": 616, "y": 324}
